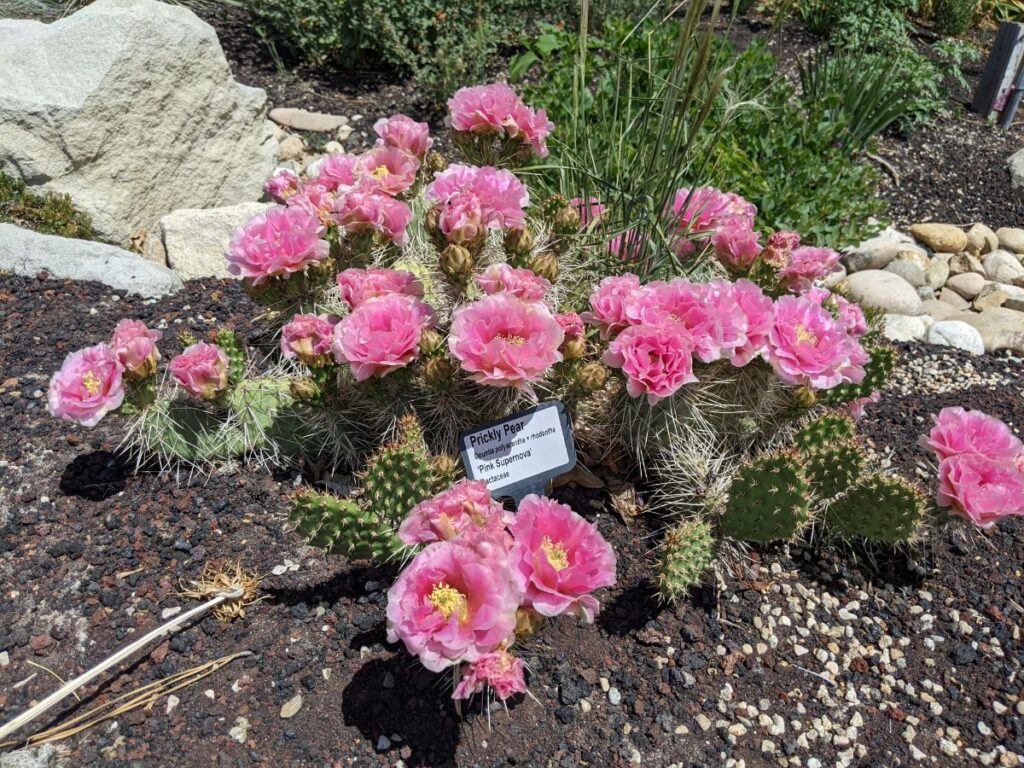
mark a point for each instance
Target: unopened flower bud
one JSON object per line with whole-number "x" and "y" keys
{"x": 804, "y": 397}
{"x": 519, "y": 241}
{"x": 445, "y": 466}
{"x": 545, "y": 265}
{"x": 431, "y": 219}
{"x": 435, "y": 162}
{"x": 573, "y": 348}
{"x": 304, "y": 389}
{"x": 430, "y": 342}
{"x": 438, "y": 373}
{"x": 457, "y": 262}
{"x": 566, "y": 219}
{"x": 593, "y": 376}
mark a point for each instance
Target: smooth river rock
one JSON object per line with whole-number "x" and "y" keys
{"x": 958, "y": 334}
{"x": 883, "y": 290}
{"x": 942, "y": 238}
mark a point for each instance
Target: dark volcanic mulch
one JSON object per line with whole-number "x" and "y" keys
{"x": 801, "y": 655}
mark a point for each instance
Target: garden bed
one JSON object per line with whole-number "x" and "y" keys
{"x": 903, "y": 654}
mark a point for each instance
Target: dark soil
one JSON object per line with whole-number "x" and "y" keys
{"x": 864, "y": 659}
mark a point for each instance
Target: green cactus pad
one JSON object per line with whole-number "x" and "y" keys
{"x": 826, "y": 430}
{"x": 768, "y": 499}
{"x": 257, "y": 403}
{"x": 341, "y": 527}
{"x": 182, "y": 430}
{"x": 876, "y": 374}
{"x": 399, "y": 475}
{"x": 689, "y": 550}
{"x": 235, "y": 350}
{"x": 882, "y": 508}
{"x": 834, "y": 468}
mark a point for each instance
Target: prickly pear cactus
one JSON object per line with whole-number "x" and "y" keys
{"x": 400, "y": 474}
{"x": 882, "y": 508}
{"x": 342, "y": 527}
{"x": 826, "y": 430}
{"x": 768, "y": 499}
{"x": 876, "y": 373}
{"x": 181, "y": 430}
{"x": 689, "y": 550}
{"x": 235, "y": 350}
{"x": 833, "y": 468}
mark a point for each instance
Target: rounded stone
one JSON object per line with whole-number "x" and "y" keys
{"x": 957, "y": 334}
{"x": 876, "y": 288}
{"x": 981, "y": 239}
{"x": 1003, "y": 267}
{"x": 943, "y": 238}
{"x": 906, "y": 328}
{"x": 968, "y": 285}
{"x": 1011, "y": 238}
{"x": 910, "y": 271}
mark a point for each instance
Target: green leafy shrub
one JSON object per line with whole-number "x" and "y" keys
{"x": 954, "y": 17}
{"x": 50, "y": 214}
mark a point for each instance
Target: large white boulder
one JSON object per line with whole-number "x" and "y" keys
{"x": 958, "y": 334}
{"x": 192, "y": 241}
{"x": 999, "y": 328}
{"x": 883, "y": 290}
{"x": 129, "y": 106}
{"x": 23, "y": 252}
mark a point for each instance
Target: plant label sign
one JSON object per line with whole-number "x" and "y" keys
{"x": 516, "y": 456}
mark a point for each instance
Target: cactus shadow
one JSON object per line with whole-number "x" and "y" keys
{"x": 631, "y": 609}
{"x": 349, "y": 582}
{"x": 857, "y": 562}
{"x": 95, "y": 476}
{"x": 414, "y": 703}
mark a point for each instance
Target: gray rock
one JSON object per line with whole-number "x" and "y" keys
{"x": 958, "y": 334}
{"x": 883, "y": 290}
{"x": 45, "y": 756}
{"x": 293, "y": 148}
{"x": 981, "y": 239}
{"x": 304, "y": 120}
{"x": 1011, "y": 238}
{"x": 968, "y": 285}
{"x": 28, "y": 253}
{"x": 1014, "y": 294}
{"x": 192, "y": 241}
{"x": 909, "y": 270}
{"x": 938, "y": 310}
{"x": 991, "y": 296}
{"x": 878, "y": 251}
{"x": 834, "y": 278}
{"x": 129, "y": 107}
{"x": 954, "y": 299}
{"x": 959, "y": 263}
{"x": 906, "y": 328}
{"x": 926, "y": 292}
{"x": 1015, "y": 163}
{"x": 941, "y": 238}
{"x": 1003, "y": 267}
{"x": 937, "y": 273}
{"x": 999, "y": 328}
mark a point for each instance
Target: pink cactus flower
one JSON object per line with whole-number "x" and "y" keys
{"x": 848, "y": 313}
{"x": 309, "y": 338}
{"x": 562, "y": 557}
{"x": 134, "y": 345}
{"x": 959, "y": 431}
{"x": 451, "y": 605}
{"x": 405, "y": 134}
{"x": 365, "y": 211}
{"x": 502, "y": 341}
{"x": 591, "y": 211}
{"x": 281, "y": 185}
{"x": 467, "y": 504}
{"x": 809, "y": 347}
{"x": 779, "y": 249}
{"x": 87, "y": 387}
{"x": 382, "y": 335}
{"x": 981, "y": 489}
{"x": 571, "y": 324}
{"x": 857, "y": 408}
{"x": 359, "y": 285}
{"x": 277, "y": 243}
{"x": 479, "y": 198}
{"x": 736, "y": 245}
{"x": 608, "y": 303}
{"x": 496, "y": 109}
{"x": 201, "y": 370}
{"x": 500, "y": 671}
{"x": 703, "y": 210}
{"x": 627, "y": 245}
{"x": 656, "y": 359}
{"x": 521, "y": 283}
{"x": 807, "y": 265}
{"x": 337, "y": 171}
{"x": 758, "y": 313}
{"x": 316, "y": 198}
{"x": 388, "y": 170}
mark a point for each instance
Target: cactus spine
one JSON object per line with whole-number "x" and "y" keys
{"x": 689, "y": 550}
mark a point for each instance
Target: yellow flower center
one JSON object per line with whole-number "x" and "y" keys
{"x": 380, "y": 172}
{"x": 510, "y": 338}
{"x": 447, "y": 600}
{"x": 91, "y": 382}
{"x": 805, "y": 336}
{"x": 555, "y": 552}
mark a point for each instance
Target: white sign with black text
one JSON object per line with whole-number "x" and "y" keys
{"x": 518, "y": 455}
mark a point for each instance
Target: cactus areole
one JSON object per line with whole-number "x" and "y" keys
{"x": 516, "y": 456}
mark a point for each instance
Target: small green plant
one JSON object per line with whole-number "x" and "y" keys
{"x": 340, "y": 526}
{"x": 769, "y": 499}
{"x": 49, "y": 213}
{"x": 399, "y": 475}
{"x": 954, "y": 17}
{"x": 880, "y": 508}
{"x": 689, "y": 550}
